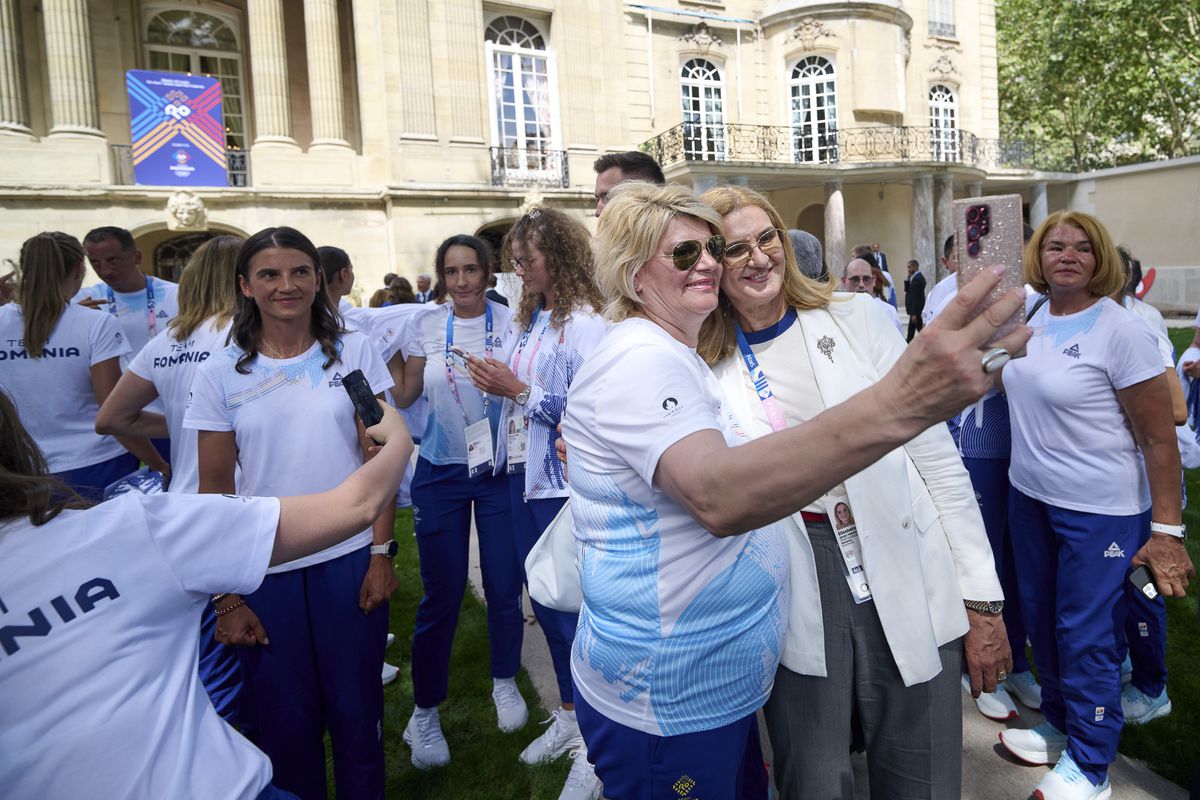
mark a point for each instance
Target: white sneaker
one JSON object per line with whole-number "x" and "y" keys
{"x": 582, "y": 783}
{"x": 389, "y": 673}
{"x": 1041, "y": 745}
{"x": 1024, "y": 687}
{"x": 424, "y": 736}
{"x": 391, "y": 640}
{"x": 511, "y": 711}
{"x": 561, "y": 737}
{"x": 1140, "y": 707}
{"x": 995, "y": 705}
{"x": 1067, "y": 782}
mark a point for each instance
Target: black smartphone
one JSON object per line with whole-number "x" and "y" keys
{"x": 1140, "y": 578}
{"x": 365, "y": 403}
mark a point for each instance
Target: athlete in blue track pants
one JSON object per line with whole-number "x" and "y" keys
{"x": 443, "y": 497}
{"x": 1145, "y": 635}
{"x": 1072, "y": 576}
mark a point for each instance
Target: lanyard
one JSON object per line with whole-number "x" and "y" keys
{"x": 151, "y": 322}
{"x": 765, "y": 396}
{"x": 487, "y": 343}
{"x": 516, "y": 362}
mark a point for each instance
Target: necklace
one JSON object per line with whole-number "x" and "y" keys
{"x": 266, "y": 349}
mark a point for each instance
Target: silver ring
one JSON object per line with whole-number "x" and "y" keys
{"x": 994, "y": 359}
{"x": 1001, "y": 675}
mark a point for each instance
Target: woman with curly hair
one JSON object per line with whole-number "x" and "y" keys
{"x": 554, "y": 330}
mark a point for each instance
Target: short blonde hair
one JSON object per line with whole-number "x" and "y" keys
{"x": 633, "y": 223}
{"x": 717, "y": 336}
{"x": 1109, "y": 276}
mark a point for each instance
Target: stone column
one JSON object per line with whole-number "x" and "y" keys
{"x": 69, "y": 69}
{"x": 14, "y": 120}
{"x": 324, "y": 74}
{"x": 922, "y": 224}
{"x": 1038, "y": 210}
{"x": 943, "y": 213}
{"x": 268, "y": 66}
{"x": 835, "y": 230}
{"x": 973, "y": 189}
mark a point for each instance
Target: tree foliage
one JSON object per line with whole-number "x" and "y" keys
{"x": 1100, "y": 82}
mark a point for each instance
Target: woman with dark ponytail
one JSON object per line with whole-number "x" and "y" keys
{"x": 60, "y": 362}
{"x": 273, "y": 404}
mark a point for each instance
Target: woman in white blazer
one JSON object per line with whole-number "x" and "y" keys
{"x": 880, "y": 596}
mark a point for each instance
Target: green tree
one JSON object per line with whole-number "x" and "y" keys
{"x": 1098, "y": 82}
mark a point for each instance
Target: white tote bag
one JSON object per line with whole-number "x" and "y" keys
{"x": 551, "y": 565}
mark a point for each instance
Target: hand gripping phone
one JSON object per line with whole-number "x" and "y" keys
{"x": 365, "y": 404}
{"x": 989, "y": 231}
{"x": 1140, "y": 578}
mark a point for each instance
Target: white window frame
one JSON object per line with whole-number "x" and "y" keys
{"x": 941, "y": 19}
{"x": 704, "y": 134}
{"x": 805, "y": 135}
{"x": 522, "y": 162}
{"x": 234, "y": 22}
{"x": 943, "y": 123}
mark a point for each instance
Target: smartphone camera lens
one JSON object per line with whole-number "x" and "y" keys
{"x": 972, "y": 232}
{"x": 973, "y": 215}
{"x": 973, "y": 249}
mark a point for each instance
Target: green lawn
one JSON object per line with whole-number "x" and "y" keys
{"x": 1171, "y": 746}
{"x": 483, "y": 761}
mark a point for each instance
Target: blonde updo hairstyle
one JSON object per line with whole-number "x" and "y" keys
{"x": 633, "y": 223}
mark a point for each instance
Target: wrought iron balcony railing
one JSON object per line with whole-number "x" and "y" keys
{"x": 237, "y": 166}
{"x": 781, "y": 144}
{"x": 520, "y": 168}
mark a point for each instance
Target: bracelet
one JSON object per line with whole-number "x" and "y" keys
{"x": 1178, "y": 531}
{"x": 222, "y": 612}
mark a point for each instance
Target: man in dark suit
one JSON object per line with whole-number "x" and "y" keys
{"x": 914, "y": 298}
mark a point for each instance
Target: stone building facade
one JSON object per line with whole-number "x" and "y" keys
{"x": 383, "y": 126}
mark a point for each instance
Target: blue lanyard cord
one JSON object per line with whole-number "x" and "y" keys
{"x": 765, "y": 396}
{"x": 151, "y": 322}
{"x": 487, "y": 343}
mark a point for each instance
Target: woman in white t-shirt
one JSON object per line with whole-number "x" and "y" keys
{"x": 1088, "y": 408}
{"x": 869, "y": 628}
{"x": 99, "y": 693}
{"x": 683, "y": 568}
{"x": 454, "y": 480}
{"x": 554, "y": 330}
{"x": 272, "y": 403}
{"x": 60, "y": 361}
{"x": 165, "y": 368}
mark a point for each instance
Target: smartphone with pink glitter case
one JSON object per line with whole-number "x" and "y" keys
{"x": 989, "y": 231}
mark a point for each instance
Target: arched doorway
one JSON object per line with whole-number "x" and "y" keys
{"x": 172, "y": 255}
{"x": 812, "y": 220}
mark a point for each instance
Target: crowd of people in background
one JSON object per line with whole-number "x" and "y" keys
{"x": 787, "y": 498}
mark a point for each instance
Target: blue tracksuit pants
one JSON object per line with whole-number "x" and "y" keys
{"x": 989, "y": 477}
{"x": 1145, "y": 634}
{"x": 1072, "y": 576}
{"x": 321, "y": 670}
{"x": 530, "y": 519}
{"x": 443, "y": 500}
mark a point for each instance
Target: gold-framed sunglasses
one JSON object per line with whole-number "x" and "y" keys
{"x": 737, "y": 255}
{"x": 684, "y": 255}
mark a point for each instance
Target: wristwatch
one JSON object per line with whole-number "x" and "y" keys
{"x": 985, "y": 606}
{"x": 522, "y": 397}
{"x": 1178, "y": 531}
{"x": 388, "y": 548}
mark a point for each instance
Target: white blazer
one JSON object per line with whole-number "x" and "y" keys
{"x": 924, "y": 546}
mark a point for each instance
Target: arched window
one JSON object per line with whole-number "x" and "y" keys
{"x": 202, "y": 43}
{"x": 943, "y": 123}
{"x": 171, "y": 256}
{"x": 703, "y": 111}
{"x": 813, "y": 90}
{"x": 524, "y": 107}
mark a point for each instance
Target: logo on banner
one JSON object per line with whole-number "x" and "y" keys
{"x": 177, "y": 130}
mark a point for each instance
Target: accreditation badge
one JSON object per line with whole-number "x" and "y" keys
{"x": 479, "y": 447}
{"x": 518, "y": 443}
{"x": 845, "y": 530}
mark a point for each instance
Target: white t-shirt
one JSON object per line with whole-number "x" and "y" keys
{"x": 1158, "y": 326}
{"x": 680, "y": 630}
{"x": 1072, "y": 445}
{"x": 105, "y": 701}
{"x": 444, "y": 440}
{"x": 293, "y": 422}
{"x": 171, "y": 365}
{"x": 890, "y": 312}
{"x": 131, "y": 309}
{"x": 939, "y": 296}
{"x": 53, "y": 394}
